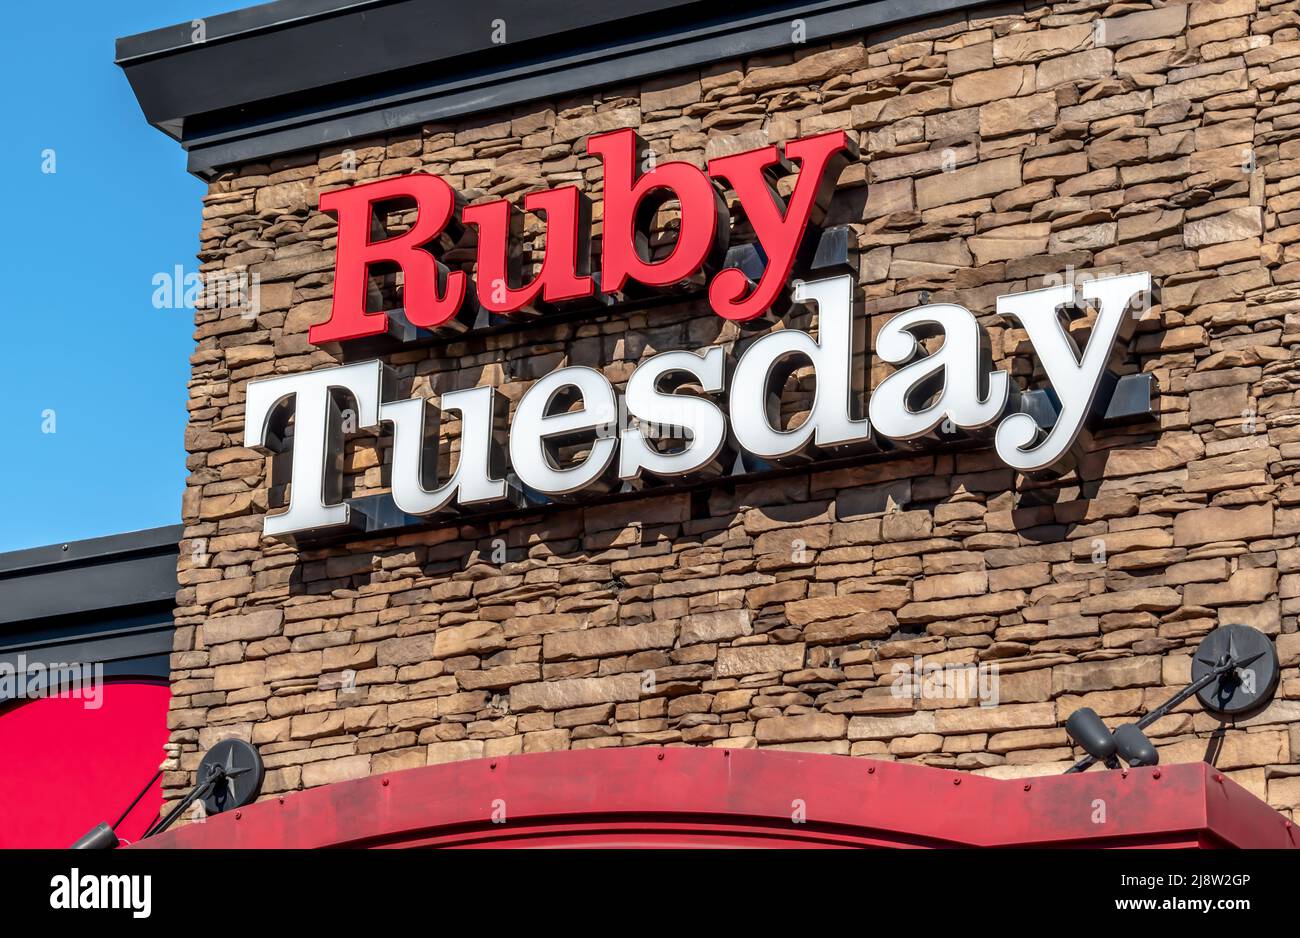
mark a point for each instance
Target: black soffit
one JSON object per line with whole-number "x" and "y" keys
{"x": 301, "y": 74}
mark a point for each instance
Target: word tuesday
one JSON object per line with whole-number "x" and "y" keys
{"x": 572, "y": 409}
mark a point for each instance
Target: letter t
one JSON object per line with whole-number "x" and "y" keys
{"x": 317, "y": 466}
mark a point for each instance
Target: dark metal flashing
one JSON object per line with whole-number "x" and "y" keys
{"x": 301, "y": 74}
{"x": 235, "y": 24}
{"x": 90, "y": 577}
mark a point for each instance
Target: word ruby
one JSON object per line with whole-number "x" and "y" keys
{"x": 634, "y": 191}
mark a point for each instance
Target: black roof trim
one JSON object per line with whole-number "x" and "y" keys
{"x": 236, "y": 23}
{"x": 71, "y": 553}
{"x": 89, "y": 577}
{"x": 301, "y": 74}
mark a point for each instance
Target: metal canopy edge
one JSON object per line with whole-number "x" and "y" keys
{"x": 301, "y": 74}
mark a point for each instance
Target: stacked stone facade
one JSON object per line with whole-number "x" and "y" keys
{"x": 1001, "y": 150}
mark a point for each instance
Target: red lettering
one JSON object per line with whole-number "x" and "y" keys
{"x": 633, "y": 198}
{"x": 566, "y": 268}
{"x": 783, "y": 231}
{"x": 431, "y": 294}
{"x": 634, "y": 193}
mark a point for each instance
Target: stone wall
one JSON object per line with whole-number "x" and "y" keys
{"x": 999, "y": 150}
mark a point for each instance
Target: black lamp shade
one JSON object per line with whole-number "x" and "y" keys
{"x": 99, "y": 837}
{"x": 1088, "y": 732}
{"x": 1133, "y": 746}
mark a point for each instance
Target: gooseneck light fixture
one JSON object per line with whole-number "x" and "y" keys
{"x": 230, "y": 776}
{"x": 1234, "y": 671}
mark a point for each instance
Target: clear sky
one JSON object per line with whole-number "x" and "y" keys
{"x": 92, "y": 375}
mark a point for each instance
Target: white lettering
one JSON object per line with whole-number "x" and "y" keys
{"x": 566, "y": 434}
{"x": 1020, "y": 443}
{"x": 103, "y": 891}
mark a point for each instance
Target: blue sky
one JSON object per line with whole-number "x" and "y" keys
{"x": 83, "y": 351}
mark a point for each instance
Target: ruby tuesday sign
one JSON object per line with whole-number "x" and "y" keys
{"x": 684, "y": 415}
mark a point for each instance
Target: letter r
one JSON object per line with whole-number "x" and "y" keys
{"x": 424, "y": 302}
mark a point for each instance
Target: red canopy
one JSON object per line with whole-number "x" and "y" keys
{"x": 719, "y": 797}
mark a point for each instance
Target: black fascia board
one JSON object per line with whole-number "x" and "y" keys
{"x": 329, "y": 42}
{"x": 89, "y": 577}
{"x": 303, "y": 74}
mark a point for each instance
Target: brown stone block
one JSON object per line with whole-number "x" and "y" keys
{"x": 454, "y": 751}
{"x": 889, "y": 727}
{"x": 1016, "y": 115}
{"x": 546, "y": 741}
{"x": 971, "y": 583}
{"x": 1107, "y": 703}
{"x": 577, "y": 692}
{"x": 1284, "y": 793}
{"x": 887, "y": 198}
{"x": 396, "y": 760}
{"x": 400, "y": 651}
{"x": 759, "y": 659}
{"x": 1265, "y": 616}
{"x": 238, "y": 676}
{"x": 1024, "y": 686}
{"x": 1010, "y": 242}
{"x": 499, "y": 678}
{"x": 1244, "y": 586}
{"x": 971, "y": 58}
{"x": 806, "y": 611}
{"x": 317, "y": 725}
{"x": 1105, "y": 675}
{"x": 1197, "y": 571}
{"x": 984, "y": 178}
{"x": 815, "y": 67}
{"x": 991, "y": 604}
{"x": 471, "y": 638}
{"x": 1231, "y": 402}
{"x": 813, "y": 726}
{"x": 1033, "y": 45}
{"x": 1209, "y": 525}
{"x": 302, "y": 664}
{"x": 1016, "y": 740}
{"x": 1090, "y": 65}
{"x": 1135, "y": 27}
{"x": 247, "y": 626}
{"x": 599, "y": 643}
{"x": 991, "y": 85}
{"x": 1207, "y": 11}
{"x": 1233, "y": 750}
{"x": 657, "y": 94}
{"x": 715, "y": 626}
{"x": 329, "y": 771}
{"x": 977, "y": 719}
{"x": 916, "y": 745}
{"x": 867, "y": 625}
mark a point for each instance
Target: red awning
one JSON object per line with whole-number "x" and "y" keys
{"x": 648, "y": 797}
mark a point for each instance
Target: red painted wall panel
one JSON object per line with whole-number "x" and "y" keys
{"x": 65, "y": 767}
